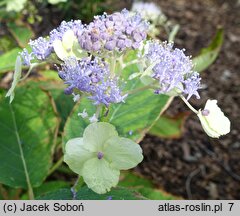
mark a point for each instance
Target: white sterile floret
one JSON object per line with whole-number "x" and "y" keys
{"x": 68, "y": 46}
{"x": 213, "y": 120}
{"x": 63, "y": 48}
{"x": 100, "y": 154}
{"x": 15, "y": 5}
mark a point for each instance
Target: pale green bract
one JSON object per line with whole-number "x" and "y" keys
{"x": 16, "y": 78}
{"x": 100, "y": 154}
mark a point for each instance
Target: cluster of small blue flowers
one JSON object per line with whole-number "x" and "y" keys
{"x": 91, "y": 77}
{"x": 117, "y": 31}
{"x": 173, "y": 69}
{"x": 43, "y": 47}
{"x": 26, "y": 57}
{"x": 75, "y": 25}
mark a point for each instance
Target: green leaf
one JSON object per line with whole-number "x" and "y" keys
{"x": 132, "y": 119}
{"x": 22, "y": 34}
{"x": 64, "y": 105}
{"x": 50, "y": 186}
{"x": 61, "y": 194}
{"x": 50, "y": 75}
{"x": 7, "y": 60}
{"x": 27, "y": 137}
{"x": 85, "y": 193}
{"x": 135, "y": 117}
{"x": 169, "y": 127}
{"x": 6, "y": 43}
{"x": 144, "y": 187}
{"x": 55, "y": 88}
{"x": 16, "y": 78}
{"x": 208, "y": 55}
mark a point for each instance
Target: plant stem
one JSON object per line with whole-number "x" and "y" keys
{"x": 27, "y": 74}
{"x": 73, "y": 188}
{"x": 188, "y": 104}
{"x": 98, "y": 110}
{"x": 113, "y": 64}
{"x": 30, "y": 69}
{"x": 55, "y": 166}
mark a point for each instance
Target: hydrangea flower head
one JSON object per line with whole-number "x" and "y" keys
{"x": 172, "y": 69}
{"x": 100, "y": 154}
{"x": 92, "y": 77}
{"x": 118, "y": 31}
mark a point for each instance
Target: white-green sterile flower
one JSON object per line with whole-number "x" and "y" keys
{"x": 15, "y": 5}
{"x": 148, "y": 10}
{"x": 100, "y": 154}
{"x": 68, "y": 46}
{"x": 213, "y": 120}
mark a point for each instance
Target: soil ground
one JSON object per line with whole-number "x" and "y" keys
{"x": 196, "y": 166}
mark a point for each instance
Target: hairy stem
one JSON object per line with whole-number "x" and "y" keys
{"x": 113, "y": 65}
{"x": 30, "y": 69}
{"x": 188, "y": 104}
{"x": 73, "y": 188}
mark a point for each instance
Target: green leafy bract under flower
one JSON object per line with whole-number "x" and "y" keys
{"x": 100, "y": 154}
